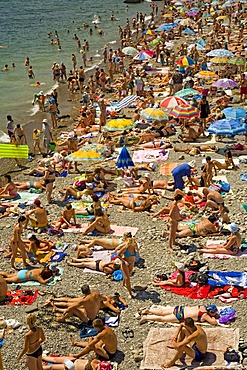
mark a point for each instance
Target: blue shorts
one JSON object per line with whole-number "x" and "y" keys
{"x": 198, "y": 354}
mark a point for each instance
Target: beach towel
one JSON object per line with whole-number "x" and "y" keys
{"x": 166, "y": 168}
{"x": 241, "y": 253}
{"x": 42, "y": 257}
{"x": 156, "y": 352}
{"x": 23, "y": 197}
{"x": 20, "y": 297}
{"x": 88, "y": 331}
{"x": 115, "y": 230}
{"x": 222, "y": 278}
{"x": 150, "y": 155}
{"x": 99, "y": 255}
{"x": 52, "y": 282}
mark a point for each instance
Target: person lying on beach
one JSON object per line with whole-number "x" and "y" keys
{"x": 42, "y": 275}
{"x": 108, "y": 244}
{"x": 156, "y": 145}
{"x": 97, "y": 265}
{"x": 78, "y": 194}
{"x": 68, "y": 363}
{"x": 146, "y": 137}
{"x": 145, "y": 185}
{"x": 3, "y": 289}
{"x": 178, "y": 314}
{"x": 37, "y": 216}
{"x": 30, "y": 184}
{"x": 6, "y": 210}
{"x": 231, "y": 246}
{"x": 196, "y": 149}
{"x": 65, "y": 221}
{"x": 40, "y": 170}
{"x": 228, "y": 162}
{"x": 203, "y": 228}
{"x": 190, "y": 135}
{"x": 178, "y": 282}
{"x": 85, "y": 308}
{"x": 187, "y": 334}
{"x": 135, "y": 204}
{"x": 101, "y": 224}
{"x": 104, "y": 344}
{"x": 10, "y": 190}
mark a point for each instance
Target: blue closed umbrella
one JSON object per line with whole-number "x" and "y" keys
{"x": 124, "y": 159}
{"x": 234, "y": 113}
{"x": 228, "y": 127}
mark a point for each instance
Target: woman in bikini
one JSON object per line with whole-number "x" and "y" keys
{"x": 97, "y": 265}
{"x": 156, "y": 145}
{"x": 42, "y": 275}
{"x": 178, "y": 282}
{"x": 30, "y": 184}
{"x": 177, "y": 314}
{"x": 228, "y": 162}
{"x": 17, "y": 244}
{"x": 49, "y": 178}
{"x": 128, "y": 253}
{"x": 203, "y": 228}
{"x": 174, "y": 217}
{"x": 231, "y": 245}
{"x": 10, "y": 190}
{"x": 32, "y": 346}
{"x": 136, "y": 204}
{"x": 101, "y": 223}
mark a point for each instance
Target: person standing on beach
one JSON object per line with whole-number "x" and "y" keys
{"x": 10, "y": 126}
{"x": 102, "y": 117}
{"x": 17, "y": 244}
{"x": 53, "y": 112}
{"x": 47, "y": 134}
{"x": 63, "y": 74}
{"x": 20, "y": 135}
{"x": 81, "y": 77}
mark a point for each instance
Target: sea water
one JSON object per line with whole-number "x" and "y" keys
{"x": 24, "y": 28}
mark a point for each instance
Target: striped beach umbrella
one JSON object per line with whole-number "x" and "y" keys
{"x": 229, "y": 127}
{"x": 220, "y": 53}
{"x": 197, "y": 46}
{"x": 185, "y": 111}
{"x": 186, "y": 92}
{"x": 149, "y": 32}
{"x": 225, "y": 83}
{"x": 234, "y": 113}
{"x": 129, "y": 50}
{"x": 237, "y": 61}
{"x": 219, "y": 60}
{"x": 93, "y": 152}
{"x": 166, "y": 27}
{"x": 154, "y": 114}
{"x": 185, "y": 61}
{"x": 206, "y": 75}
{"x": 119, "y": 124}
{"x": 123, "y": 103}
{"x": 173, "y": 101}
{"x": 124, "y": 160}
{"x": 142, "y": 56}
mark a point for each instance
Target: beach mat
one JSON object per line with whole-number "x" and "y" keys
{"x": 99, "y": 255}
{"x": 116, "y": 230}
{"x": 156, "y": 353}
{"x": 150, "y": 155}
{"x": 166, "y": 168}
{"x": 222, "y": 256}
{"x": 52, "y": 282}
{"x": 20, "y": 297}
{"x": 13, "y": 151}
{"x": 23, "y": 197}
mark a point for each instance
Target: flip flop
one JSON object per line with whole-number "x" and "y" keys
{"x": 125, "y": 333}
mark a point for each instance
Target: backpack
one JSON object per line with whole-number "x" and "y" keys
{"x": 105, "y": 365}
{"x": 199, "y": 277}
{"x": 231, "y": 355}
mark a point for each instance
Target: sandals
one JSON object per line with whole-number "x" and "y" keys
{"x": 128, "y": 333}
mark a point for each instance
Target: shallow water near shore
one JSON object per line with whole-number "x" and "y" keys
{"x": 24, "y": 28}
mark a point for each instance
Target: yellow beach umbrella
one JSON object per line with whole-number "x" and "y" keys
{"x": 119, "y": 124}
{"x": 206, "y": 74}
{"x": 219, "y": 60}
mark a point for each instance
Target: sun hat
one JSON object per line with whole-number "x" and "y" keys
{"x": 45, "y": 120}
{"x": 192, "y": 163}
{"x": 179, "y": 266}
{"x": 233, "y": 227}
{"x": 69, "y": 365}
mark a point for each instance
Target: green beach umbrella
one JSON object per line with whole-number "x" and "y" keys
{"x": 129, "y": 50}
{"x": 186, "y": 92}
{"x": 155, "y": 42}
{"x": 237, "y": 61}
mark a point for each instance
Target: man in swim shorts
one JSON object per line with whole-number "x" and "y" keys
{"x": 190, "y": 339}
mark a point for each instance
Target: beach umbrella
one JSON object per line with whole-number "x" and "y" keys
{"x": 124, "y": 160}
{"x": 168, "y": 15}
{"x": 154, "y": 114}
{"x": 88, "y": 153}
{"x": 129, "y": 50}
{"x": 185, "y": 61}
{"x": 149, "y": 32}
{"x": 197, "y": 46}
{"x": 185, "y": 22}
{"x": 151, "y": 53}
{"x": 155, "y": 42}
{"x": 178, "y": 20}
{"x": 123, "y": 103}
{"x": 234, "y": 113}
{"x": 142, "y": 56}
{"x": 221, "y": 17}
{"x": 178, "y": 3}
{"x": 188, "y": 31}
{"x": 202, "y": 42}
{"x": 238, "y": 61}
{"x": 220, "y": 60}
{"x": 186, "y": 92}
{"x": 225, "y": 83}
{"x": 166, "y": 27}
{"x": 229, "y": 127}
{"x": 207, "y": 15}
{"x": 195, "y": 8}
{"x": 185, "y": 111}
{"x": 192, "y": 13}
{"x": 220, "y": 53}
{"x": 173, "y": 101}
{"x": 119, "y": 124}
{"x": 206, "y": 75}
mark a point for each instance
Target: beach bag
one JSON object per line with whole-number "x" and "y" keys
{"x": 199, "y": 277}
{"x": 117, "y": 275}
{"x": 105, "y": 365}
{"x": 227, "y": 314}
{"x": 225, "y": 187}
{"x": 231, "y": 355}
